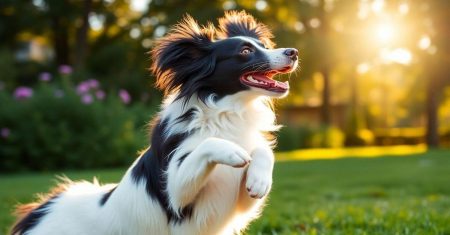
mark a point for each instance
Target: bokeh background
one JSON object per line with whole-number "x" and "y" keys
{"x": 76, "y": 93}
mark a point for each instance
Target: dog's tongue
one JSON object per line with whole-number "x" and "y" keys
{"x": 273, "y": 83}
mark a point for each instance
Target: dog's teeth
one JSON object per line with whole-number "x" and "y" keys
{"x": 251, "y": 79}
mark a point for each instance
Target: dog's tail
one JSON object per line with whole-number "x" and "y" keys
{"x": 25, "y": 209}
{"x": 24, "y": 212}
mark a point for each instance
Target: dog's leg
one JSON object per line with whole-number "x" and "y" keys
{"x": 257, "y": 182}
{"x": 259, "y": 173}
{"x": 187, "y": 179}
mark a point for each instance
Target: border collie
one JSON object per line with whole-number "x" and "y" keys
{"x": 209, "y": 165}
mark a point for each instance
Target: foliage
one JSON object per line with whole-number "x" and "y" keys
{"x": 291, "y": 138}
{"x": 327, "y": 137}
{"x": 7, "y": 66}
{"x": 54, "y": 127}
{"x": 446, "y": 139}
{"x": 360, "y": 137}
{"x": 408, "y": 195}
{"x": 109, "y": 40}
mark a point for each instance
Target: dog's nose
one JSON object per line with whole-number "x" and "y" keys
{"x": 291, "y": 53}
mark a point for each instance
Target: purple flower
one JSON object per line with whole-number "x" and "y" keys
{"x": 87, "y": 99}
{"x": 83, "y": 88}
{"x": 94, "y": 84}
{"x": 58, "y": 93}
{"x": 124, "y": 96}
{"x": 23, "y": 92}
{"x": 100, "y": 94}
{"x": 4, "y": 132}
{"x": 45, "y": 77}
{"x": 65, "y": 69}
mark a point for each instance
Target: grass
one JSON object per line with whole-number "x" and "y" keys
{"x": 384, "y": 195}
{"x": 375, "y": 151}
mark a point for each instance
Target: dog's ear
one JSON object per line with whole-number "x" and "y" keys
{"x": 183, "y": 56}
{"x": 240, "y": 23}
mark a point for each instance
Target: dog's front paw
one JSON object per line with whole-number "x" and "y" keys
{"x": 228, "y": 153}
{"x": 258, "y": 182}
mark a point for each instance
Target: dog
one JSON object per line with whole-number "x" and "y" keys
{"x": 208, "y": 169}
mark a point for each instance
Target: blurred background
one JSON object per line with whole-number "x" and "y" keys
{"x": 75, "y": 90}
{"x": 75, "y": 82}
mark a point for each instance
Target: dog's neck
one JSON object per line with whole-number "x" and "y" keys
{"x": 243, "y": 111}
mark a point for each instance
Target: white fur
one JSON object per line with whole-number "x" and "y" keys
{"x": 228, "y": 154}
{"x": 277, "y": 58}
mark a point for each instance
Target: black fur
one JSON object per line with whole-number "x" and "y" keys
{"x": 33, "y": 218}
{"x": 151, "y": 167}
{"x": 203, "y": 61}
{"x": 242, "y": 24}
{"x": 195, "y": 59}
{"x": 181, "y": 159}
{"x": 187, "y": 116}
{"x": 106, "y": 196}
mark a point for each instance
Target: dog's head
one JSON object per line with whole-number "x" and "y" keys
{"x": 237, "y": 56}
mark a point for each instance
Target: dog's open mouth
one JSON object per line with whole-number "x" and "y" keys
{"x": 264, "y": 80}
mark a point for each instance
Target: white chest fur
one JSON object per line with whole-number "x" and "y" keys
{"x": 241, "y": 120}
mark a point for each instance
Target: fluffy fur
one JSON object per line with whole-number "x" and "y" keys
{"x": 209, "y": 166}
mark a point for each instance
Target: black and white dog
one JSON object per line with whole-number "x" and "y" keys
{"x": 209, "y": 166}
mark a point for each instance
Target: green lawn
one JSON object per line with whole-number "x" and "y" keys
{"x": 386, "y": 195}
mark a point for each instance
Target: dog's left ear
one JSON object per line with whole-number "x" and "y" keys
{"x": 240, "y": 23}
{"x": 183, "y": 57}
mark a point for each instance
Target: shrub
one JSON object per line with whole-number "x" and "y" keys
{"x": 55, "y": 127}
{"x": 445, "y": 139}
{"x": 291, "y": 138}
{"x": 362, "y": 137}
{"x": 327, "y": 137}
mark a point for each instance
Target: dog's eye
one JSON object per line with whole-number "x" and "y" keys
{"x": 246, "y": 51}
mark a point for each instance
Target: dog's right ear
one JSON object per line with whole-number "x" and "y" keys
{"x": 240, "y": 23}
{"x": 183, "y": 55}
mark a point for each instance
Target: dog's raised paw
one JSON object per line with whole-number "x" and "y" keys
{"x": 258, "y": 185}
{"x": 228, "y": 153}
{"x": 236, "y": 160}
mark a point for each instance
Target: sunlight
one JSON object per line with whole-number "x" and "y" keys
{"x": 385, "y": 32}
{"x": 403, "y": 8}
{"x": 261, "y": 5}
{"x": 334, "y": 153}
{"x": 377, "y": 6}
{"x": 139, "y": 5}
{"x": 424, "y": 42}
{"x": 362, "y": 68}
{"x": 96, "y": 21}
{"x": 399, "y": 55}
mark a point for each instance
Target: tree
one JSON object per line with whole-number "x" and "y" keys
{"x": 82, "y": 36}
{"x": 437, "y": 65}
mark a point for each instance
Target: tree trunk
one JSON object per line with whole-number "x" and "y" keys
{"x": 325, "y": 113}
{"x": 82, "y": 35}
{"x": 432, "y": 134}
{"x": 60, "y": 40}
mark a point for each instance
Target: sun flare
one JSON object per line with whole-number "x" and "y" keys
{"x": 385, "y": 32}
